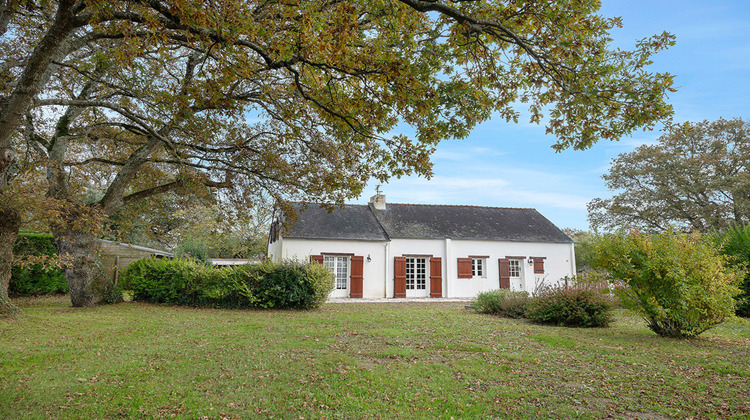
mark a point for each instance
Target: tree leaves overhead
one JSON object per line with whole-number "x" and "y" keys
{"x": 330, "y": 81}
{"x": 695, "y": 178}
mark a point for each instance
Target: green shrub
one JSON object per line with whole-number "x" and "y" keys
{"x": 503, "y": 302}
{"x": 735, "y": 243}
{"x": 37, "y": 278}
{"x": 570, "y": 306}
{"x": 678, "y": 282}
{"x": 286, "y": 285}
{"x": 161, "y": 280}
{"x": 322, "y": 282}
{"x": 293, "y": 285}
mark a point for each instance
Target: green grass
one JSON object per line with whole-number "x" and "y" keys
{"x": 390, "y": 360}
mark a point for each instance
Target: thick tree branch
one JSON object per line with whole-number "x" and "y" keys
{"x": 496, "y": 29}
{"x": 148, "y": 192}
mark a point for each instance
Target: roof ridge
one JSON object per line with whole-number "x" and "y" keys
{"x": 318, "y": 203}
{"x": 461, "y": 205}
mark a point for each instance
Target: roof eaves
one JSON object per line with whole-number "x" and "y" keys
{"x": 483, "y": 239}
{"x": 320, "y": 238}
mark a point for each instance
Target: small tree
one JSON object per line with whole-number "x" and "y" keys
{"x": 696, "y": 178}
{"x": 678, "y": 282}
{"x": 735, "y": 243}
{"x": 584, "y": 246}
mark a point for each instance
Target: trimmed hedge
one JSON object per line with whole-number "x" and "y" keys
{"x": 36, "y": 279}
{"x": 570, "y": 307}
{"x": 286, "y": 285}
{"x": 503, "y": 302}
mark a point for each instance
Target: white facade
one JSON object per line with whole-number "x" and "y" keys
{"x": 374, "y": 270}
{"x": 379, "y": 256}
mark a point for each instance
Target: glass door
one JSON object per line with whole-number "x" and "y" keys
{"x": 416, "y": 277}
{"x": 339, "y": 266}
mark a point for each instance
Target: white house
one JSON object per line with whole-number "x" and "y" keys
{"x": 413, "y": 250}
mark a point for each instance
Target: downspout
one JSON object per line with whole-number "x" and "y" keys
{"x": 448, "y": 271}
{"x": 573, "y": 259}
{"x": 387, "y": 253}
{"x": 270, "y": 237}
{"x": 387, "y": 250}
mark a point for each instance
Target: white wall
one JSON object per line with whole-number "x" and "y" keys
{"x": 373, "y": 275}
{"x": 559, "y": 263}
{"x": 401, "y": 247}
{"x": 378, "y": 273}
{"x": 274, "y": 249}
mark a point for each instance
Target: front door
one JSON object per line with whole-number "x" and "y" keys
{"x": 339, "y": 266}
{"x": 416, "y": 277}
{"x": 516, "y": 270}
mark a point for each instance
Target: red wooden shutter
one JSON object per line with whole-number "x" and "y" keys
{"x": 355, "y": 282}
{"x": 464, "y": 268}
{"x": 436, "y": 277}
{"x": 538, "y": 265}
{"x": 399, "y": 277}
{"x": 504, "y": 265}
{"x": 316, "y": 258}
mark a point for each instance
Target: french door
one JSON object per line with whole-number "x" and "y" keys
{"x": 339, "y": 266}
{"x": 416, "y": 277}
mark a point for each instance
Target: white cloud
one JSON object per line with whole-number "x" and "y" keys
{"x": 495, "y": 192}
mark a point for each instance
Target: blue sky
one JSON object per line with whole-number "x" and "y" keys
{"x": 512, "y": 165}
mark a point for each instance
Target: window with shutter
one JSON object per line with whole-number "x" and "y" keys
{"x": 538, "y": 265}
{"x": 477, "y": 267}
{"x": 464, "y": 268}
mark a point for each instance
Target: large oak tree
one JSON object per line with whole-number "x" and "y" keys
{"x": 695, "y": 178}
{"x": 292, "y": 98}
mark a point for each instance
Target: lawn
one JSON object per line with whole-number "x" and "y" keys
{"x": 356, "y": 360}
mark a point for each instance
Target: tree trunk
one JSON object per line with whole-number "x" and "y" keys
{"x": 86, "y": 281}
{"x": 12, "y": 108}
{"x": 10, "y": 223}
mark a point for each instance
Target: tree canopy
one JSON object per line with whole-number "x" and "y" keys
{"x": 695, "y": 178}
{"x": 295, "y": 99}
{"x": 350, "y": 69}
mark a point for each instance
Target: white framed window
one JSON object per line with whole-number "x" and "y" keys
{"x": 515, "y": 268}
{"x": 478, "y": 267}
{"x": 339, "y": 266}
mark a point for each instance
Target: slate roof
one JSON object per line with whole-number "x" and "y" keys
{"x": 419, "y": 221}
{"x": 468, "y": 222}
{"x": 353, "y": 222}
